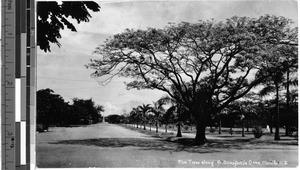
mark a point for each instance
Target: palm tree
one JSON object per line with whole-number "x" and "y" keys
{"x": 176, "y": 113}
{"x": 291, "y": 68}
{"x": 272, "y": 84}
{"x": 168, "y": 117}
{"x": 151, "y": 119}
{"x": 278, "y": 60}
{"x": 244, "y": 111}
{"x": 144, "y": 109}
{"x": 135, "y": 116}
{"x": 158, "y": 110}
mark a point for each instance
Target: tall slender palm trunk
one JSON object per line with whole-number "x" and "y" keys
{"x": 277, "y": 112}
{"x": 220, "y": 126}
{"x": 287, "y": 126}
{"x": 243, "y": 129}
{"x": 166, "y": 128}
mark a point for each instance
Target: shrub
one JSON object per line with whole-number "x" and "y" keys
{"x": 231, "y": 131}
{"x": 41, "y": 128}
{"x": 257, "y": 131}
{"x": 186, "y": 127}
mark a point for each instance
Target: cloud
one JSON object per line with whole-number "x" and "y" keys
{"x": 68, "y": 61}
{"x": 111, "y": 109}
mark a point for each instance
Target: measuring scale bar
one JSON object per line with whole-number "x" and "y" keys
{"x": 18, "y": 83}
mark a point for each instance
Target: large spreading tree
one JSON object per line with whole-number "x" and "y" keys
{"x": 204, "y": 66}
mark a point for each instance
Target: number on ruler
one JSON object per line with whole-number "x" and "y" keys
{"x": 9, "y": 4}
{"x": 8, "y": 33}
{"x": 12, "y": 145}
{"x": 9, "y": 133}
{"x": 9, "y": 83}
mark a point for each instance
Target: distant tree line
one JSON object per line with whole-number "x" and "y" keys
{"x": 115, "y": 119}
{"x": 52, "y": 110}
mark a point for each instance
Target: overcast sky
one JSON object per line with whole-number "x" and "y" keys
{"x": 63, "y": 68}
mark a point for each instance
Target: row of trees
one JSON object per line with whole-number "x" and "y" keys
{"x": 204, "y": 66}
{"x": 243, "y": 114}
{"x": 52, "y": 110}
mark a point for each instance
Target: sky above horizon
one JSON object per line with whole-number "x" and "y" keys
{"x": 63, "y": 69}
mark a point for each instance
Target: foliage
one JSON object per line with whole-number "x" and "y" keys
{"x": 52, "y": 110}
{"x": 135, "y": 116}
{"x": 115, "y": 119}
{"x": 257, "y": 131}
{"x": 42, "y": 128}
{"x": 52, "y": 18}
{"x": 158, "y": 108}
{"x": 144, "y": 109}
{"x": 86, "y": 110}
{"x": 203, "y": 66}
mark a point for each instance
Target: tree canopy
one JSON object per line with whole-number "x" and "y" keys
{"x": 53, "y": 17}
{"x": 52, "y": 110}
{"x": 204, "y": 66}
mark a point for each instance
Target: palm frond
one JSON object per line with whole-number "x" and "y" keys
{"x": 294, "y": 82}
{"x": 266, "y": 90}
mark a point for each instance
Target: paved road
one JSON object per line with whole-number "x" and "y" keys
{"x": 107, "y": 145}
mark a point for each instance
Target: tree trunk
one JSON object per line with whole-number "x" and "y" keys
{"x": 144, "y": 126}
{"x": 271, "y": 129}
{"x": 156, "y": 125}
{"x": 243, "y": 130}
{"x": 247, "y": 126}
{"x": 137, "y": 125}
{"x": 150, "y": 126}
{"x": 178, "y": 130}
{"x": 277, "y": 114}
{"x": 220, "y": 125}
{"x": 201, "y": 120}
{"x": 166, "y": 128}
{"x": 287, "y": 126}
{"x": 200, "y": 133}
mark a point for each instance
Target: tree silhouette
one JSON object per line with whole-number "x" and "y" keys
{"x": 158, "y": 111}
{"x": 144, "y": 109}
{"x": 51, "y": 108}
{"x": 86, "y": 110}
{"x": 276, "y": 58}
{"x": 209, "y": 64}
{"x": 135, "y": 116}
{"x": 52, "y": 18}
{"x": 176, "y": 113}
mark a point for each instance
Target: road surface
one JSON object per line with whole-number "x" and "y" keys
{"x": 108, "y": 145}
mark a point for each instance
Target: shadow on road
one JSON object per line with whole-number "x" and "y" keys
{"x": 234, "y": 143}
{"x": 142, "y": 144}
{"x": 177, "y": 144}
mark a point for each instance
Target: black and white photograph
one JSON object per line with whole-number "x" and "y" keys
{"x": 167, "y": 84}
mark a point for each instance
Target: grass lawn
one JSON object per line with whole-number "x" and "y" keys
{"x": 225, "y": 140}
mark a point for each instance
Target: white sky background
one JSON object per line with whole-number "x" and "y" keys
{"x": 63, "y": 68}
